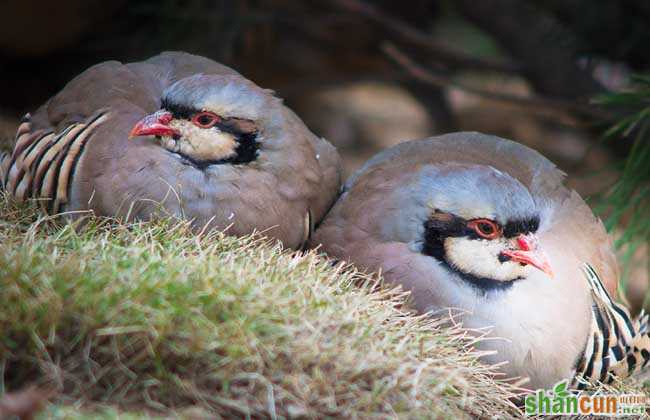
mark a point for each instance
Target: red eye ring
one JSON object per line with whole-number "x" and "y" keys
{"x": 205, "y": 119}
{"x": 485, "y": 228}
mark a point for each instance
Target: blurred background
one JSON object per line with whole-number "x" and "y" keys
{"x": 569, "y": 78}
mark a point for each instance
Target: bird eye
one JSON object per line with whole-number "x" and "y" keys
{"x": 485, "y": 228}
{"x": 205, "y": 119}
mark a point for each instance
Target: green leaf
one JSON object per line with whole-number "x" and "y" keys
{"x": 560, "y": 389}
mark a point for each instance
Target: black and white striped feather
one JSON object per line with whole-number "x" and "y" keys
{"x": 617, "y": 346}
{"x": 42, "y": 164}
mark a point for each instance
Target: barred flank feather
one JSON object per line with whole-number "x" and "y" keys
{"x": 617, "y": 345}
{"x": 4, "y": 165}
{"x": 43, "y": 162}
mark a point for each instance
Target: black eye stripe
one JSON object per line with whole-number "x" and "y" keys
{"x": 457, "y": 226}
{"x": 178, "y": 111}
{"x": 524, "y": 226}
{"x": 453, "y": 226}
{"x": 226, "y": 125}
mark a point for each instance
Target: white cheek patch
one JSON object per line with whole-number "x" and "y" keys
{"x": 170, "y": 144}
{"x": 201, "y": 144}
{"x": 480, "y": 258}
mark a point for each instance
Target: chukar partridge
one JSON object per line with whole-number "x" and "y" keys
{"x": 176, "y": 134}
{"x": 483, "y": 229}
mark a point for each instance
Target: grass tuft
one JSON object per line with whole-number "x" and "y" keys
{"x": 151, "y": 318}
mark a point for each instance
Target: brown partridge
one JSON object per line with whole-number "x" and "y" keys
{"x": 176, "y": 135}
{"x": 484, "y": 229}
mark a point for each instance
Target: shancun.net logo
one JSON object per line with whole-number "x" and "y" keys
{"x": 560, "y": 401}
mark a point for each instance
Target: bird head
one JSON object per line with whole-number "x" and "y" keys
{"x": 210, "y": 119}
{"x": 482, "y": 224}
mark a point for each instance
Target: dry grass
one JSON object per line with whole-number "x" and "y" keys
{"x": 150, "y": 318}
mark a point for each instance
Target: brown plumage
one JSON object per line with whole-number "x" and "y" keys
{"x": 482, "y": 227}
{"x": 249, "y": 163}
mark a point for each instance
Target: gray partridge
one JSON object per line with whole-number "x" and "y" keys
{"x": 177, "y": 135}
{"x": 483, "y": 229}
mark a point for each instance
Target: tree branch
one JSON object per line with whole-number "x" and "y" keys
{"x": 545, "y": 48}
{"x": 547, "y": 105}
{"x": 411, "y": 35}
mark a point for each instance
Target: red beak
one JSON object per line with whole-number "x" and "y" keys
{"x": 156, "y": 124}
{"x": 528, "y": 253}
